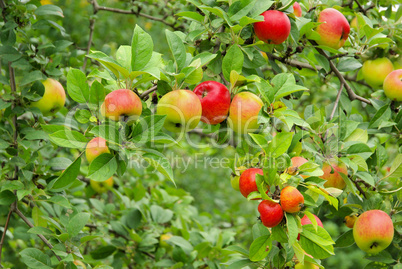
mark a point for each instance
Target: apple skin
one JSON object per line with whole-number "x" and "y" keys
{"x": 121, "y": 103}
{"x": 96, "y": 147}
{"x": 247, "y": 182}
{"x": 334, "y": 180}
{"x": 393, "y": 85}
{"x": 182, "y": 108}
{"x": 373, "y": 231}
{"x": 305, "y": 220}
{"x": 291, "y": 199}
{"x": 271, "y": 213}
{"x": 275, "y": 28}
{"x": 243, "y": 112}
{"x": 297, "y": 9}
{"x": 375, "y": 71}
{"x": 215, "y": 101}
{"x": 101, "y": 187}
{"x": 334, "y": 30}
{"x": 306, "y": 265}
{"x": 53, "y": 99}
{"x": 298, "y": 161}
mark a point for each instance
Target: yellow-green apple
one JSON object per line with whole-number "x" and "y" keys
{"x": 373, "y": 231}
{"x": 298, "y": 161}
{"x": 215, "y": 101}
{"x": 101, "y": 186}
{"x": 274, "y": 29}
{"x": 306, "y": 265}
{"x": 163, "y": 239}
{"x": 235, "y": 178}
{"x": 53, "y": 98}
{"x": 122, "y": 103}
{"x": 331, "y": 175}
{"x": 353, "y": 23}
{"x": 96, "y": 147}
{"x": 375, "y": 71}
{"x": 334, "y": 28}
{"x": 291, "y": 199}
{"x": 297, "y": 9}
{"x": 80, "y": 264}
{"x": 350, "y": 220}
{"x": 243, "y": 112}
{"x": 305, "y": 220}
{"x": 247, "y": 182}
{"x": 271, "y": 213}
{"x": 182, "y": 109}
{"x": 393, "y": 85}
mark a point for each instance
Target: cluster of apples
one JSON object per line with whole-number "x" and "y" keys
{"x": 275, "y": 28}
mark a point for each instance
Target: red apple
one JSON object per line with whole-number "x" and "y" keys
{"x": 274, "y": 29}
{"x": 271, "y": 213}
{"x": 297, "y": 9}
{"x": 96, "y": 147}
{"x": 182, "y": 109}
{"x": 243, "y": 112}
{"x": 215, "y": 101}
{"x": 121, "y": 103}
{"x": 375, "y": 71}
{"x": 332, "y": 176}
{"x": 298, "y": 161}
{"x": 291, "y": 199}
{"x": 247, "y": 182}
{"x": 334, "y": 29}
{"x": 393, "y": 85}
{"x": 373, "y": 231}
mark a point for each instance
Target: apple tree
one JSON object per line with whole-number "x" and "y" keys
{"x": 297, "y": 106}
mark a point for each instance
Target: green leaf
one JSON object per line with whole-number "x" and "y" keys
{"x": 68, "y": 176}
{"x": 177, "y": 48}
{"x": 396, "y": 168}
{"x": 41, "y": 230}
{"x": 49, "y": 10}
{"x": 348, "y": 64}
{"x": 102, "y": 167}
{"x": 238, "y": 249}
{"x": 7, "y": 198}
{"x": 141, "y": 49}
{"x": 293, "y": 229}
{"x": 161, "y": 215}
{"x": 261, "y": 141}
{"x": 77, "y": 86}
{"x": 383, "y": 114}
{"x": 102, "y": 253}
{"x": 182, "y": 243}
{"x": 280, "y": 144}
{"x": 59, "y": 163}
{"x": 60, "y": 200}
{"x": 123, "y": 56}
{"x": 159, "y": 162}
{"x": 240, "y": 9}
{"x": 109, "y": 132}
{"x": 233, "y": 60}
{"x": 31, "y": 77}
{"x": 97, "y": 93}
{"x": 133, "y": 218}
{"x": 68, "y": 139}
{"x": 147, "y": 128}
{"x": 238, "y": 264}
{"x": 345, "y": 240}
{"x": 34, "y": 258}
{"x": 191, "y": 15}
{"x": 10, "y": 54}
{"x": 77, "y": 223}
{"x": 318, "y": 244}
{"x": 260, "y": 248}
{"x": 110, "y": 64}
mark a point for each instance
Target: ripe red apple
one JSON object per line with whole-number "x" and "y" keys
{"x": 121, "y": 103}
{"x": 305, "y": 220}
{"x": 182, "y": 108}
{"x": 247, "y": 182}
{"x": 101, "y": 186}
{"x": 375, "y": 71}
{"x": 271, "y": 213}
{"x": 393, "y": 85}
{"x": 297, "y": 9}
{"x": 274, "y": 29}
{"x": 215, "y": 101}
{"x": 332, "y": 176}
{"x": 291, "y": 199}
{"x": 298, "y": 161}
{"x": 334, "y": 29}
{"x": 243, "y": 112}
{"x": 53, "y": 99}
{"x": 96, "y": 147}
{"x": 373, "y": 231}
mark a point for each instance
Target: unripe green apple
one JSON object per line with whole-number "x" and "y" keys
{"x": 163, "y": 239}
{"x": 182, "y": 109}
{"x": 375, "y": 71}
{"x": 101, "y": 186}
{"x": 393, "y": 85}
{"x": 334, "y": 29}
{"x": 332, "y": 176}
{"x": 53, "y": 99}
{"x": 306, "y": 265}
{"x": 96, "y": 147}
{"x": 243, "y": 112}
{"x": 373, "y": 231}
{"x": 122, "y": 103}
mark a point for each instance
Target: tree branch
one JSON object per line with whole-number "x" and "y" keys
{"x": 338, "y": 97}
{"x": 91, "y": 33}
{"x": 147, "y": 92}
{"x": 361, "y": 7}
{"x": 12, "y": 207}
{"x": 47, "y": 243}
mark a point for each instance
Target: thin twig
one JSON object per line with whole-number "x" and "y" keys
{"x": 47, "y": 243}
{"x": 338, "y": 97}
{"x": 13, "y": 105}
{"x": 147, "y": 92}
{"x": 361, "y": 8}
{"x": 359, "y": 188}
{"x": 12, "y": 207}
{"x": 91, "y": 33}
